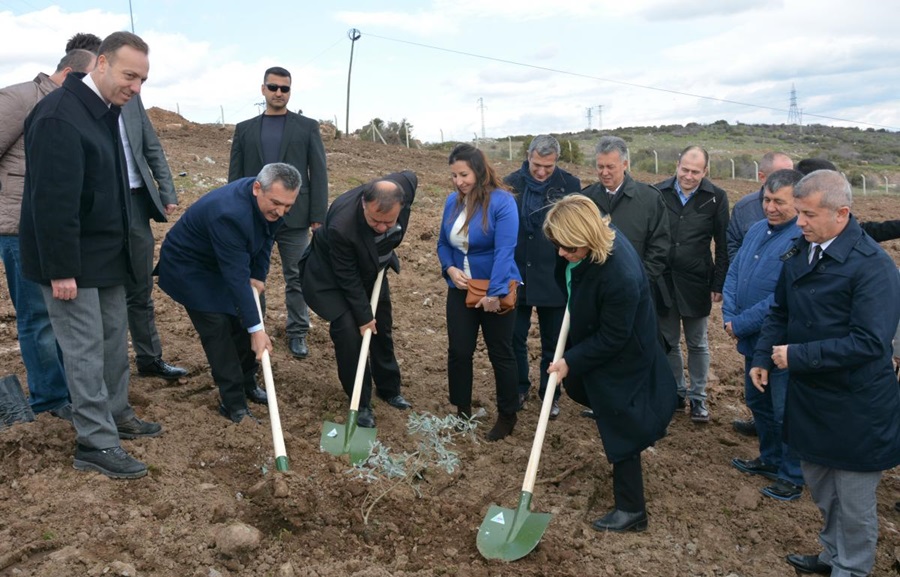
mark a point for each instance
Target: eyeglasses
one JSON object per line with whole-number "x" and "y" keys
{"x": 568, "y": 249}
{"x": 277, "y": 87}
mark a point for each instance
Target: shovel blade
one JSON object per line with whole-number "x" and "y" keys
{"x": 509, "y": 534}
{"x": 347, "y": 439}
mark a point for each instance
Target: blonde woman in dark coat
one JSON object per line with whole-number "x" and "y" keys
{"x": 614, "y": 362}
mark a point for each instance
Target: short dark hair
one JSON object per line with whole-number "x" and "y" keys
{"x": 277, "y": 71}
{"x": 781, "y": 178}
{"x": 84, "y": 41}
{"x": 386, "y": 193}
{"x": 78, "y": 60}
{"x": 808, "y": 165}
{"x": 116, "y": 40}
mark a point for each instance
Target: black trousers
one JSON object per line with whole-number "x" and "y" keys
{"x": 232, "y": 361}
{"x": 462, "y": 334}
{"x": 382, "y": 364}
{"x": 628, "y": 485}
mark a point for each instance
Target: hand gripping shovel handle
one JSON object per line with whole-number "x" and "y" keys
{"x": 535, "y": 458}
{"x": 364, "y": 349}
{"x": 281, "y": 460}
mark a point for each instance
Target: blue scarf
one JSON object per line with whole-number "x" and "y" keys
{"x": 534, "y": 203}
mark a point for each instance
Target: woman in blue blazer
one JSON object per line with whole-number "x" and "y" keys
{"x": 478, "y": 241}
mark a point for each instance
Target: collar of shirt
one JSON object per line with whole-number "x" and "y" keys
{"x": 681, "y": 195}
{"x": 89, "y": 81}
{"x": 824, "y": 245}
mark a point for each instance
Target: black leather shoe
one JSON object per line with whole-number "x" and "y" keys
{"x": 808, "y": 564}
{"x": 365, "y": 418}
{"x": 523, "y": 398}
{"x": 113, "y": 462}
{"x": 756, "y": 467}
{"x": 258, "y": 396}
{"x": 746, "y": 428}
{"x": 398, "y": 402}
{"x": 298, "y": 347}
{"x": 587, "y": 413}
{"x": 782, "y": 490}
{"x": 622, "y": 521}
{"x": 699, "y": 412}
{"x": 160, "y": 368}
{"x": 237, "y": 415}
{"x": 137, "y": 429}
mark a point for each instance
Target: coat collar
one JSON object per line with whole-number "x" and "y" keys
{"x": 94, "y": 104}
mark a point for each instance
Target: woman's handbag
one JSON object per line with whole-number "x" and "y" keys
{"x": 478, "y": 290}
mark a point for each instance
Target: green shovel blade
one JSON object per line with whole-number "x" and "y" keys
{"x": 348, "y": 438}
{"x": 509, "y": 534}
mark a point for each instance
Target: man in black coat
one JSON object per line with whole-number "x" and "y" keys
{"x": 74, "y": 241}
{"x": 537, "y": 185}
{"x": 698, "y": 214}
{"x": 361, "y": 230}
{"x": 280, "y": 135}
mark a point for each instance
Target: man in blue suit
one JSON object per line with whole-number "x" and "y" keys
{"x": 831, "y": 325}
{"x": 209, "y": 261}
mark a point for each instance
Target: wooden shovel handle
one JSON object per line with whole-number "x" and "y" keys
{"x": 364, "y": 349}
{"x": 549, "y": 394}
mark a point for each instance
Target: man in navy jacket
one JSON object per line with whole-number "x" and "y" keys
{"x": 209, "y": 261}
{"x": 835, "y": 313}
{"x": 537, "y": 185}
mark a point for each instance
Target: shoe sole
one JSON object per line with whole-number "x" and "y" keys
{"x": 88, "y": 466}
{"x": 158, "y": 376}
{"x": 638, "y": 527}
{"x": 767, "y": 475}
{"x": 700, "y": 419}
{"x": 773, "y": 495}
{"x": 132, "y": 436}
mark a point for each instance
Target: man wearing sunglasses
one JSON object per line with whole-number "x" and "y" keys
{"x": 279, "y": 135}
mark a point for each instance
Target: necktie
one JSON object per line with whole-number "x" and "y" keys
{"x": 816, "y": 255}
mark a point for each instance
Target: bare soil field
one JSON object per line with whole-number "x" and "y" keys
{"x": 206, "y": 473}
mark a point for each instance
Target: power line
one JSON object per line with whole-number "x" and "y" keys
{"x": 623, "y": 83}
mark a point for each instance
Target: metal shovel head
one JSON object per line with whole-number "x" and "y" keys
{"x": 509, "y": 534}
{"x": 347, "y": 438}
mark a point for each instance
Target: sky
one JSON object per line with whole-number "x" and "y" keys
{"x": 459, "y": 69}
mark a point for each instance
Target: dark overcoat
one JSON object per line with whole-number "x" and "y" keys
{"x": 692, "y": 273}
{"x": 209, "y": 256}
{"x": 76, "y": 204}
{"x": 617, "y": 365}
{"x": 838, "y": 317}
{"x": 535, "y": 255}
{"x": 340, "y": 266}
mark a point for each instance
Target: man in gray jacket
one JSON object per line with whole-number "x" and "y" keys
{"x": 46, "y": 378}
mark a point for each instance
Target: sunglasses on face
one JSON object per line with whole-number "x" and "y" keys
{"x": 277, "y": 87}
{"x": 568, "y": 249}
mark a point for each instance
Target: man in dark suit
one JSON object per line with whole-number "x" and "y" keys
{"x": 280, "y": 135}
{"x": 698, "y": 216}
{"x": 74, "y": 241}
{"x": 209, "y": 261}
{"x": 834, "y": 315}
{"x": 361, "y": 231}
{"x": 152, "y": 197}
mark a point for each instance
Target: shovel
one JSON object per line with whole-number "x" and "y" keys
{"x": 281, "y": 460}
{"x": 509, "y": 534}
{"x": 350, "y": 438}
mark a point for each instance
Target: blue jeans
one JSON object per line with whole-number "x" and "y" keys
{"x": 768, "y": 412}
{"x": 695, "y": 336}
{"x": 549, "y": 322}
{"x": 47, "y": 387}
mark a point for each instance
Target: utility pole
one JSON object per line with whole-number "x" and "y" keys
{"x": 481, "y": 106}
{"x": 131, "y": 13}
{"x": 794, "y": 114}
{"x": 589, "y": 113}
{"x": 353, "y": 34}
{"x": 600, "y": 117}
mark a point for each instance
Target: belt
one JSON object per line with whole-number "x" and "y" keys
{"x": 139, "y": 190}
